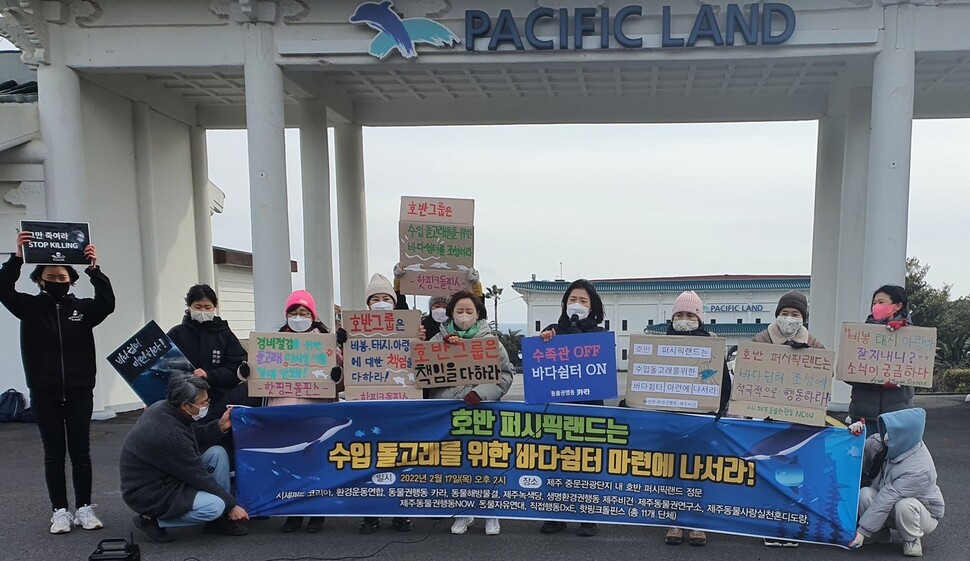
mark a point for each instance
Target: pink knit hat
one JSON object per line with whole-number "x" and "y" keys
{"x": 301, "y": 298}
{"x": 689, "y": 301}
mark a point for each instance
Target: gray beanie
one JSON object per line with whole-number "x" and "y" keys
{"x": 437, "y": 300}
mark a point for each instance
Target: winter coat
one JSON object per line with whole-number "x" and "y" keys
{"x": 57, "y": 336}
{"x": 431, "y": 327}
{"x": 161, "y": 463}
{"x": 488, "y": 392}
{"x": 908, "y": 470}
{"x": 566, "y": 326}
{"x": 213, "y": 347}
{"x": 871, "y": 400}
{"x": 773, "y": 336}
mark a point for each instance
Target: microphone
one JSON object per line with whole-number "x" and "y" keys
{"x": 574, "y": 319}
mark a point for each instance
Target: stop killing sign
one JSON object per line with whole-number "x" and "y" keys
{"x": 56, "y": 243}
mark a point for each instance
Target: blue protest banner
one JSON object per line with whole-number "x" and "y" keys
{"x": 569, "y": 368}
{"x": 147, "y": 360}
{"x": 575, "y": 463}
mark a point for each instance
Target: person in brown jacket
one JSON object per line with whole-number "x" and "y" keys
{"x": 791, "y": 315}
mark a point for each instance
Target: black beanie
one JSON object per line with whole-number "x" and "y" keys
{"x": 793, "y": 299}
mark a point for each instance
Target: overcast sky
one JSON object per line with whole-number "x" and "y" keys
{"x": 618, "y": 200}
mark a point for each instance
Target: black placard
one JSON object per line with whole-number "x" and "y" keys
{"x": 147, "y": 360}
{"x": 56, "y": 243}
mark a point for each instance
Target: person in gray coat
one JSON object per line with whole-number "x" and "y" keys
{"x": 467, "y": 319}
{"x": 904, "y": 494}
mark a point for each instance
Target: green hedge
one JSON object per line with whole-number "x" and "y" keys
{"x": 956, "y": 380}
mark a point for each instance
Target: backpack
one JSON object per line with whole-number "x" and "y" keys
{"x": 12, "y": 406}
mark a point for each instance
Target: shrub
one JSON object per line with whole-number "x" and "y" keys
{"x": 956, "y": 380}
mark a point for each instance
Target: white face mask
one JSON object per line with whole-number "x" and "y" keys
{"x": 202, "y": 317}
{"x": 788, "y": 325}
{"x": 576, "y": 309}
{"x": 685, "y": 325}
{"x": 203, "y": 411}
{"x": 382, "y": 306}
{"x": 440, "y": 315}
{"x": 299, "y": 324}
{"x": 465, "y": 321}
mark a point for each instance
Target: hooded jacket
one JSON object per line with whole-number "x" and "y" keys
{"x": 57, "y": 336}
{"x": 488, "y": 392}
{"x": 213, "y": 347}
{"x": 907, "y": 472}
{"x": 871, "y": 400}
{"x": 161, "y": 463}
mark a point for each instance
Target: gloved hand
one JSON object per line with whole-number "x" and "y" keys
{"x": 336, "y": 373}
{"x": 244, "y": 370}
{"x": 857, "y": 542}
{"x": 857, "y": 427}
{"x": 341, "y": 336}
{"x": 472, "y": 398}
{"x": 895, "y": 324}
{"x": 473, "y": 276}
{"x": 398, "y": 271}
{"x": 890, "y": 384}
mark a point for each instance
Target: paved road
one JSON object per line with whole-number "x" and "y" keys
{"x": 23, "y": 518}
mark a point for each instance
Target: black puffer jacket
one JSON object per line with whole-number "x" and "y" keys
{"x": 213, "y": 347}
{"x": 57, "y": 336}
{"x": 871, "y": 400}
{"x": 566, "y": 326}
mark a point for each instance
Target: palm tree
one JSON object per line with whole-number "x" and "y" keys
{"x": 495, "y": 293}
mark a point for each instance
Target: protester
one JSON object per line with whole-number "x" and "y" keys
{"x": 890, "y": 307}
{"x": 468, "y": 319}
{"x": 581, "y": 312}
{"x": 210, "y": 345}
{"x": 903, "y": 495}
{"x": 300, "y": 312}
{"x": 174, "y": 472}
{"x": 437, "y": 316}
{"x": 60, "y": 363}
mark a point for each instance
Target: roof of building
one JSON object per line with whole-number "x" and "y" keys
{"x": 719, "y": 329}
{"x": 703, "y": 283}
{"x": 236, "y": 258}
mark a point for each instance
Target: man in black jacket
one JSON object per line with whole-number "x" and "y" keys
{"x": 174, "y": 473}
{"x": 57, "y": 346}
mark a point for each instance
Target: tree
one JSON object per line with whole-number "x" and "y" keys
{"x": 494, "y": 292}
{"x": 512, "y": 341}
{"x": 928, "y": 305}
{"x": 932, "y": 307}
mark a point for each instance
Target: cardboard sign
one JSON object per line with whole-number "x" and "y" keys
{"x": 442, "y": 365}
{"x": 56, "y": 243}
{"x": 872, "y": 354}
{"x": 373, "y": 393}
{"x": 783, "y": 383}
{"x": 437, "y": 249}
{"x": 375, "y": 323}
{"x": 148, "y": 360}
{"x": 675, "y": 373}
{"x": 569, "y": 368}
{"x": 292, "y": 364}
{"x": 378, "y": 362}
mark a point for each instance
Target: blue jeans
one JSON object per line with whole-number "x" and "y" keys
{"x": 206, "y": 507}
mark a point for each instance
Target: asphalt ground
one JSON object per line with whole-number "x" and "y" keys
{"x": 24, "y": 518}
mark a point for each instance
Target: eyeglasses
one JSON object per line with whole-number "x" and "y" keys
{"x": 203, "y": 404}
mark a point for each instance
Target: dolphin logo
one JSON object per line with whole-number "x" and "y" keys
{"x": 401, "y": 34}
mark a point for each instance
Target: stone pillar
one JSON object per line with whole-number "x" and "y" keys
{"x": 317, "y": 239}
{"x": 351, "y": 214}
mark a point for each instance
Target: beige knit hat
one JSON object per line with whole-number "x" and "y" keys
{"x": 378, "y": 285}
{"x": 689, "y": 301}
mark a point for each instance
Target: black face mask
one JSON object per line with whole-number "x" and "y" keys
{"x": 57, "y": 290}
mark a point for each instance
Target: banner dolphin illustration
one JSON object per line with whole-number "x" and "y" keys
{"x": 302, "y": 445}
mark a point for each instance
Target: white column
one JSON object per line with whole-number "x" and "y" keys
{"x": 147, "y": 225}
{"x": 351, "y": 214}
{"x": 202, "y": 206}
{"x": 65, "y": 170}
{"x": 825, "y": 236}
{"x": 317, "y": 240}
{"x": 889, "y": 151}
{"x": 267, "y": 175}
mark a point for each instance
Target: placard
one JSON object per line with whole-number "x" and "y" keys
{"x": 437, "y": 238}
{"x": 148, "y": 360}
{"x": 376, "y": 361}
{"x": 56, "y": 243}
{"x": 378, "y": 323}
{"x": 469, "y": 362}
{"x": 292, "y": 364}
{"x": 382, "y": 393}
{"x": 782, "y": 383}
{"x": 675, "y": 373}
{"x": 870, "y": 353}
{"x": 568, "y": 368}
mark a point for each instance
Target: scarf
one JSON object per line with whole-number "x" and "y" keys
{"x": 466, "y": 334}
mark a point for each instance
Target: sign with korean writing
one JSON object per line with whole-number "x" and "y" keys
{"x": 56, "y": 243}
{"x": 292, "y": 364}
{"x": 377, "y": 323}
{"x": 569, "y": 368}
{"x": 675, "y": 373}
{"x": 437, "y": 239}
{"x": 148, "y": 360}
{"x": 378, "y": 362}
{"x": 441, "y": 365}
{"x": 783, "y": 383}
{"x": 872, "y": 354}
{"x": 375, "y": 393}
{"x": 558, "y": 462}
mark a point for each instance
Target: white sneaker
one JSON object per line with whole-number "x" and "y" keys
{"x": 492, "y": 527}
{"x": 913, "y": 548}
{"x": 61, "y": 521}
{"x": 461, "y": 524}
{"x": 86, "y": 518}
